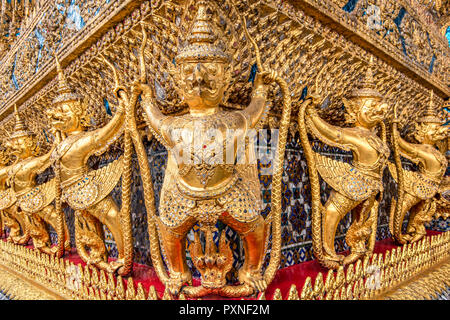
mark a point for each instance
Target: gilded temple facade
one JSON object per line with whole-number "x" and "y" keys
{"x": 340, "y": 108}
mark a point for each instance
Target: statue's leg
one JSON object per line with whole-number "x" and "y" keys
{"x": 253, "y": 235}
{"x": 173, "y": 243}
{"x": 13, "y": 225}
{"x": 416, "y": 223}
{"x": 409, "y": 201}
{"x": 38, "y": 232}
{"x": 334, "y": 210}
{"x": 50, "y": 215}
{"x": 108, "y": 213}
{"x": 22, "y": 236}
{"x": 359, "y": 232}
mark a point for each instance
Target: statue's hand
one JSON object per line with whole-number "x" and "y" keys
{"x": 123, "y": 100}
{"x": 147, "y": 91}
{"x": 395, "y": 118}
{"x": 57, "y": 134}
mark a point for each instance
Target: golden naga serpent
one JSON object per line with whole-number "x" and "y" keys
{"x": 275, "y": 253}
{"x": 316, "y": 205}
{"x": 58, "y": 208}
{"x": 58, "y": 200}
{"x": 125, "y": 219}
{"x": 395, "y": 222}
{"x": 275, "y": 215}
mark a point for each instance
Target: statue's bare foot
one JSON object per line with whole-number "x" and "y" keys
{"x": 196, "y": 292}
{"x": 22, "y": 240}
{"x": 352, "y": 257}
{"x": 52, "y": 251}
{"x": 334, "y": 260}
{"x": 116, "y": 265}
{"x": 416, "y": 237}
{"x": 253, "y": 279}
{"x": 404, "y": 238}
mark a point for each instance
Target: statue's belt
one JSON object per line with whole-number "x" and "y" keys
{"x": 202, "y": 194}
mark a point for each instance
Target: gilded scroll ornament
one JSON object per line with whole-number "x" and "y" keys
{"x": 417, "y": 190}
{"x": 356, "y": 187}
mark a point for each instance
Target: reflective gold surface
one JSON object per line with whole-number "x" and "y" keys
{"x": 417, "y": 189}
{"x": 177, "y": 71}
{"x": 87, "y": 191}
{"x": 356, "y": 187}
{"x": 201, "y": 184}
{"x": 34, "y": 202}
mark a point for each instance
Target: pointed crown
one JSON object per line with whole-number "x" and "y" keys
{"x": 20, "y": 129}
{"x": 430, "y": 115}
{"x": 367, "y": 87}
{"x": 201, "y": 40}
{"x": 64, "y": 92}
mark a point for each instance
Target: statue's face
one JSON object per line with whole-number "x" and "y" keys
{"x": 202, "y": 84}
{"x": 371, "y": 112}
{"x": 430, "y": 132}
{"x": 63, "y": 117}
{"x": 22, "y": 147}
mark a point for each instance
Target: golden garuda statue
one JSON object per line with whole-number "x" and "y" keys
{"x": 204, "y": 182}
{"x": 18, "y": 232}
{"x": 417, "y": 190}
{"x": 356, "y": 187}
{"x": 87, "y": 191}
{"x": 34, "y": 202}
{"x": 4, "y": 160}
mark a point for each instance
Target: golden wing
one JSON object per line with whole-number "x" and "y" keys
{"x": 38, "y": 198}
{"x": 107, "y": 177}
{"x": 94, "y": 186}
{"x": 7, "y": 199}
{"x": 346, "y": 179}
{"x": 415, "y": 183}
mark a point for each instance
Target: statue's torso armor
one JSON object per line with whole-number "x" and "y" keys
{"x": 208, "y": 183}
{"x": 22, "y": 179}
{"x": 375, "y": 148}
